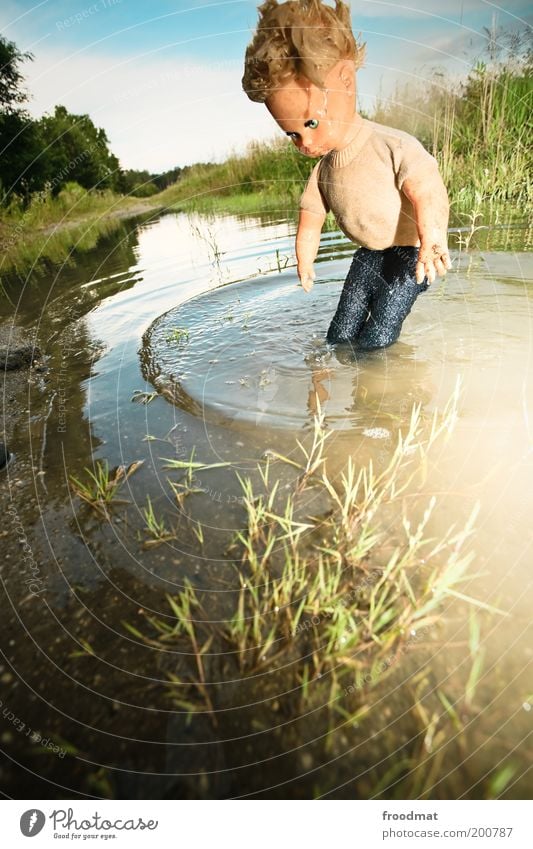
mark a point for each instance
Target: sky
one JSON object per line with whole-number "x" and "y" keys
{"x": 163, "y": 78}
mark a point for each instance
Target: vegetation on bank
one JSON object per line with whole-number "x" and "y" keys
{"x": 480, "y": 129}
{"x": 48, "y": 229}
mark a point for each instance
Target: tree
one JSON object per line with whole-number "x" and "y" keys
{"x": 138, "y": 183}
{"x": 11, "y": 79}
{"x": 21, "y": 167}
{"x": 76, "y": 150}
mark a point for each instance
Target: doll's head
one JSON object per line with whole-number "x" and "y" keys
{"x": 298, "y": 40}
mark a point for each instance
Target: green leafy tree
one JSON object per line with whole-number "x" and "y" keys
{"x": 21, "y": 168}
{"x": 11, "y": 78}
{"x": 167, "y": 177}
{"x": 138, "y": 183}
{"x": 76, "y": 150}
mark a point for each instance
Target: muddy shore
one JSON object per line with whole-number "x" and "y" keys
{"x": 21, "y": 363}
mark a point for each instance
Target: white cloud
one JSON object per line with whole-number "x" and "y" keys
{"x": 156, "y": 113}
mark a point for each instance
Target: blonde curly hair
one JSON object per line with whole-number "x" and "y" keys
{"x": 300, "y": 38}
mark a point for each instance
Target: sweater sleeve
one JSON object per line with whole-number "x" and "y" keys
{"x": 411, "y": 159}
{"x": 312, "y": 198}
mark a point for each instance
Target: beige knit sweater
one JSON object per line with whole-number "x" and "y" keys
{"x": 362, "y": 185}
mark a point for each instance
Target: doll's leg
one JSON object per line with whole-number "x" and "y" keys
{"x": 396, "y": 294}
{"x": 354, "y": 302}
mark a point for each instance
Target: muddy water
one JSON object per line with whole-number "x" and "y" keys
{"x": 243, "y": 378}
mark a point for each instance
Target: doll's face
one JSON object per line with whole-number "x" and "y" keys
{"x": 317, "y": 120}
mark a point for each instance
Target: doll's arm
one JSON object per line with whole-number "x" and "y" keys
{"x": 307, "y": 242}
{"x": 427, "y": 193}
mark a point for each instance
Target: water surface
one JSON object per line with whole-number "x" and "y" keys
{"x": 245, "y": 373}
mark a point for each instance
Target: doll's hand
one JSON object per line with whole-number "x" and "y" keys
{"x": 433, "y": 258}
{"x": 307, "y": 276}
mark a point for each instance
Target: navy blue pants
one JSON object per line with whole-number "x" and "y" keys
{"x": 377, "y": 296}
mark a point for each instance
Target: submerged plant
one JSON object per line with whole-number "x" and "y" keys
{"x": 190, "y": 466}
{"x": 155, "y": 528}
{"x": 184, "y": 608}
{"x": 142, "y": 397}
{"x": 100, "y": 488}
{"x": 86, "y": 649}
{"x": 473, "y": 217}
{"x": 179, "y": 334}
{"x": 279, "y": 264}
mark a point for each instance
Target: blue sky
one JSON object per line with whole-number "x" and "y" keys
{"x": 163, "y": 78}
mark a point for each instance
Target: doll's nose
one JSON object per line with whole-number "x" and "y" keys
{"x": 304, "y": 142}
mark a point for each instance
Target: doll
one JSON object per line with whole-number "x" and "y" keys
{"x": 382, "y": 186}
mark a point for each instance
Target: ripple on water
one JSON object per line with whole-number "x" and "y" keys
{"x": 256, "y": 352}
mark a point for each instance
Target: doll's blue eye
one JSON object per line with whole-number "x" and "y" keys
{"x": 312, "y": 123}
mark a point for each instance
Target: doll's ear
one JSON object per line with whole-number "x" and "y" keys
{"x": 347, "y": 73}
